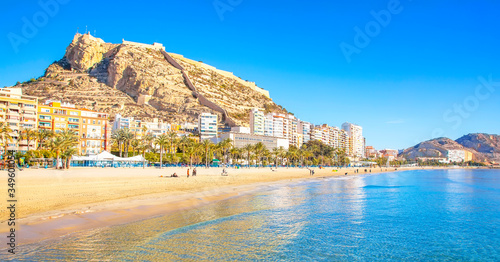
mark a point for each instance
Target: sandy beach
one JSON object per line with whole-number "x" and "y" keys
{"x": 52, "y": 202}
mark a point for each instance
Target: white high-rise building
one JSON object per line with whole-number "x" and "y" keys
{"x": 257, "y": 122}
{"x": 305, "y": 129}
{"x": 207, "y": 125}
{"x": 268, "y": 125}
{"x": 356, "y": 140}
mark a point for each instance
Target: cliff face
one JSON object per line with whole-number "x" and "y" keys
{"x": 488, "y": 145}
{"x": 137, "y": 80}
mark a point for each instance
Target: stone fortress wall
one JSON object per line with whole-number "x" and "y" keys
{"x": 156, "y": 46}
{"x": 251, "y": 85}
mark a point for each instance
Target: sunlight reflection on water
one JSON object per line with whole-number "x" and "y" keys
{"x": 415, "y": 215}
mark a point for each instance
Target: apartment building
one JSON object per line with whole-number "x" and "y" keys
{"x": 92, "y": 127}
{"x": 356, "y": 140}
{"x": 257, "y": 122}
{"x": 305, "y": 129}
{"x": 19, "y": 112}
{"x": 207, "y": 125}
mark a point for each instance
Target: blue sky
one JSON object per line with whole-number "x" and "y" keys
{"x": 412, "y": 77}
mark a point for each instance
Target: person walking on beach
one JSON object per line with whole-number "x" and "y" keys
{"x": 188, "y": 172}
{"x": 194, "y": 171}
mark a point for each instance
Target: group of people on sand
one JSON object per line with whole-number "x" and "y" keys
{"x": 188, "y": 171}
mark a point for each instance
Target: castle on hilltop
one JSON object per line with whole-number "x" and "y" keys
{"x": 156, "y": 46}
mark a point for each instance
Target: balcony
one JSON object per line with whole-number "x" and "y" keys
{"x": 13, "y": 113}
{"x": 11, "y": 120}
{"x": 13, "y": 106}
{"x": 29, "y": 109}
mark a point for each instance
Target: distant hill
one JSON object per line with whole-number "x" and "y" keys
{"x": 438, "y": 147}
{"x": 486, "y": 144}
{"x": 142, "y": 80}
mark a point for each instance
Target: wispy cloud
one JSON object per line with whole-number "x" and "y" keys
{"x": 397, "y": 121}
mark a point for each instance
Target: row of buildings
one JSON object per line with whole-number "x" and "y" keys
{"x": 21, "y": 112}
{"x": 94, "y": 128}
{"x": 284, "y": 130}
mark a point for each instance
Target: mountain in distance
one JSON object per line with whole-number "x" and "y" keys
{"x": 486, "y": 144}
{"x": 484, "y": 147}
{"x": 144, "y": 81}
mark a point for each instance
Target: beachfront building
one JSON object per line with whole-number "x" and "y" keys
{"x": 241, "y": 129}
{"x": 459, "y": 156}
{"x": 390, "y": 154}
{"x": 207, "y": 125}
{"x": 92, "y": 127}
{"x": 240, "y": 140}
{"x": 139, "y": 127}
{"x": 268, "y": 125}
{"x": 371, "y": 152}
{"x": 305, "y": 129}
{"x": 356, "y": 140}
{"x": 344, "y": 141}
{"x": 19, "y": 112}
{"x": 257, "y": 121}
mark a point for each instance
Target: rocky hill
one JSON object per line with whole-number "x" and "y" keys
{"x": 486, "y": 144}
{"x": 142, "y": 80}
{"x": 438, "y": 148}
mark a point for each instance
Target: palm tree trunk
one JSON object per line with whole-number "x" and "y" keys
{"x": 161, "y": 157}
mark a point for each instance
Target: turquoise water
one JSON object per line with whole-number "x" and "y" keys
{"x": 415, "y": 216}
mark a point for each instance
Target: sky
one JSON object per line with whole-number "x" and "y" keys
{"x": 406, "y": 71}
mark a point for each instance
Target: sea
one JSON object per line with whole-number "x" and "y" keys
{"x": 421, "y": 215}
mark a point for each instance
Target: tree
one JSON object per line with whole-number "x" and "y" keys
{"x": 127, "y": 136}
{"x": 225, "y": 145}
{"x": 28, "y": 134}
{"x": 172, "y": 137}
{"x": 135, "y": 145}
{"x": 117, "y": 138}
{"x": 191, "y": 150}
{"x": 248, "y": 148}
{"x": 161, "y": 141}
{"x": 234, "y": 153}
{"x": 206, "y": 145}
{"x": 258, "y": 150}
{"x": 42, "y": 135}
{"x": 5, "y": 131}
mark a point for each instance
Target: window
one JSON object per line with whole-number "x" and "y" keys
{"x": 93, "y": 122}
{"x": 73, "y": 113}
{"x": 84, "y": 121}
{"x": 45, "y": 110}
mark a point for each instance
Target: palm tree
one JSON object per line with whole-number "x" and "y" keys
{"x": 234, "y": 153}
{"x": 258, "y": 150}
{"x": 225, "y": 146}
{"x": 42, "y": 135}
{"x": 172, "y": 136}
{"x": 281, "y": 153}
{"x": 63, "y": 142}
{"x": 67, "y": 154}
{"x": 134, "y": 144}
{"x": 248, "y": 148}
{"x": 191, "y": 150}
{"x": 184, "y": 142}
{"x": 28, "y": 134}
{"x": 117, "y": 138}
{"x": 161, "y": 141}
{"x": 206, "y": 145}
{"x": 5, "y": 131}
{"x": 127, "y": 136}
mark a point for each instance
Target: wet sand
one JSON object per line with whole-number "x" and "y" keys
{"x": 52, "y": 203}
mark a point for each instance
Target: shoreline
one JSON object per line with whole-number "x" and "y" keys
{"x": 133, "y": 203}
